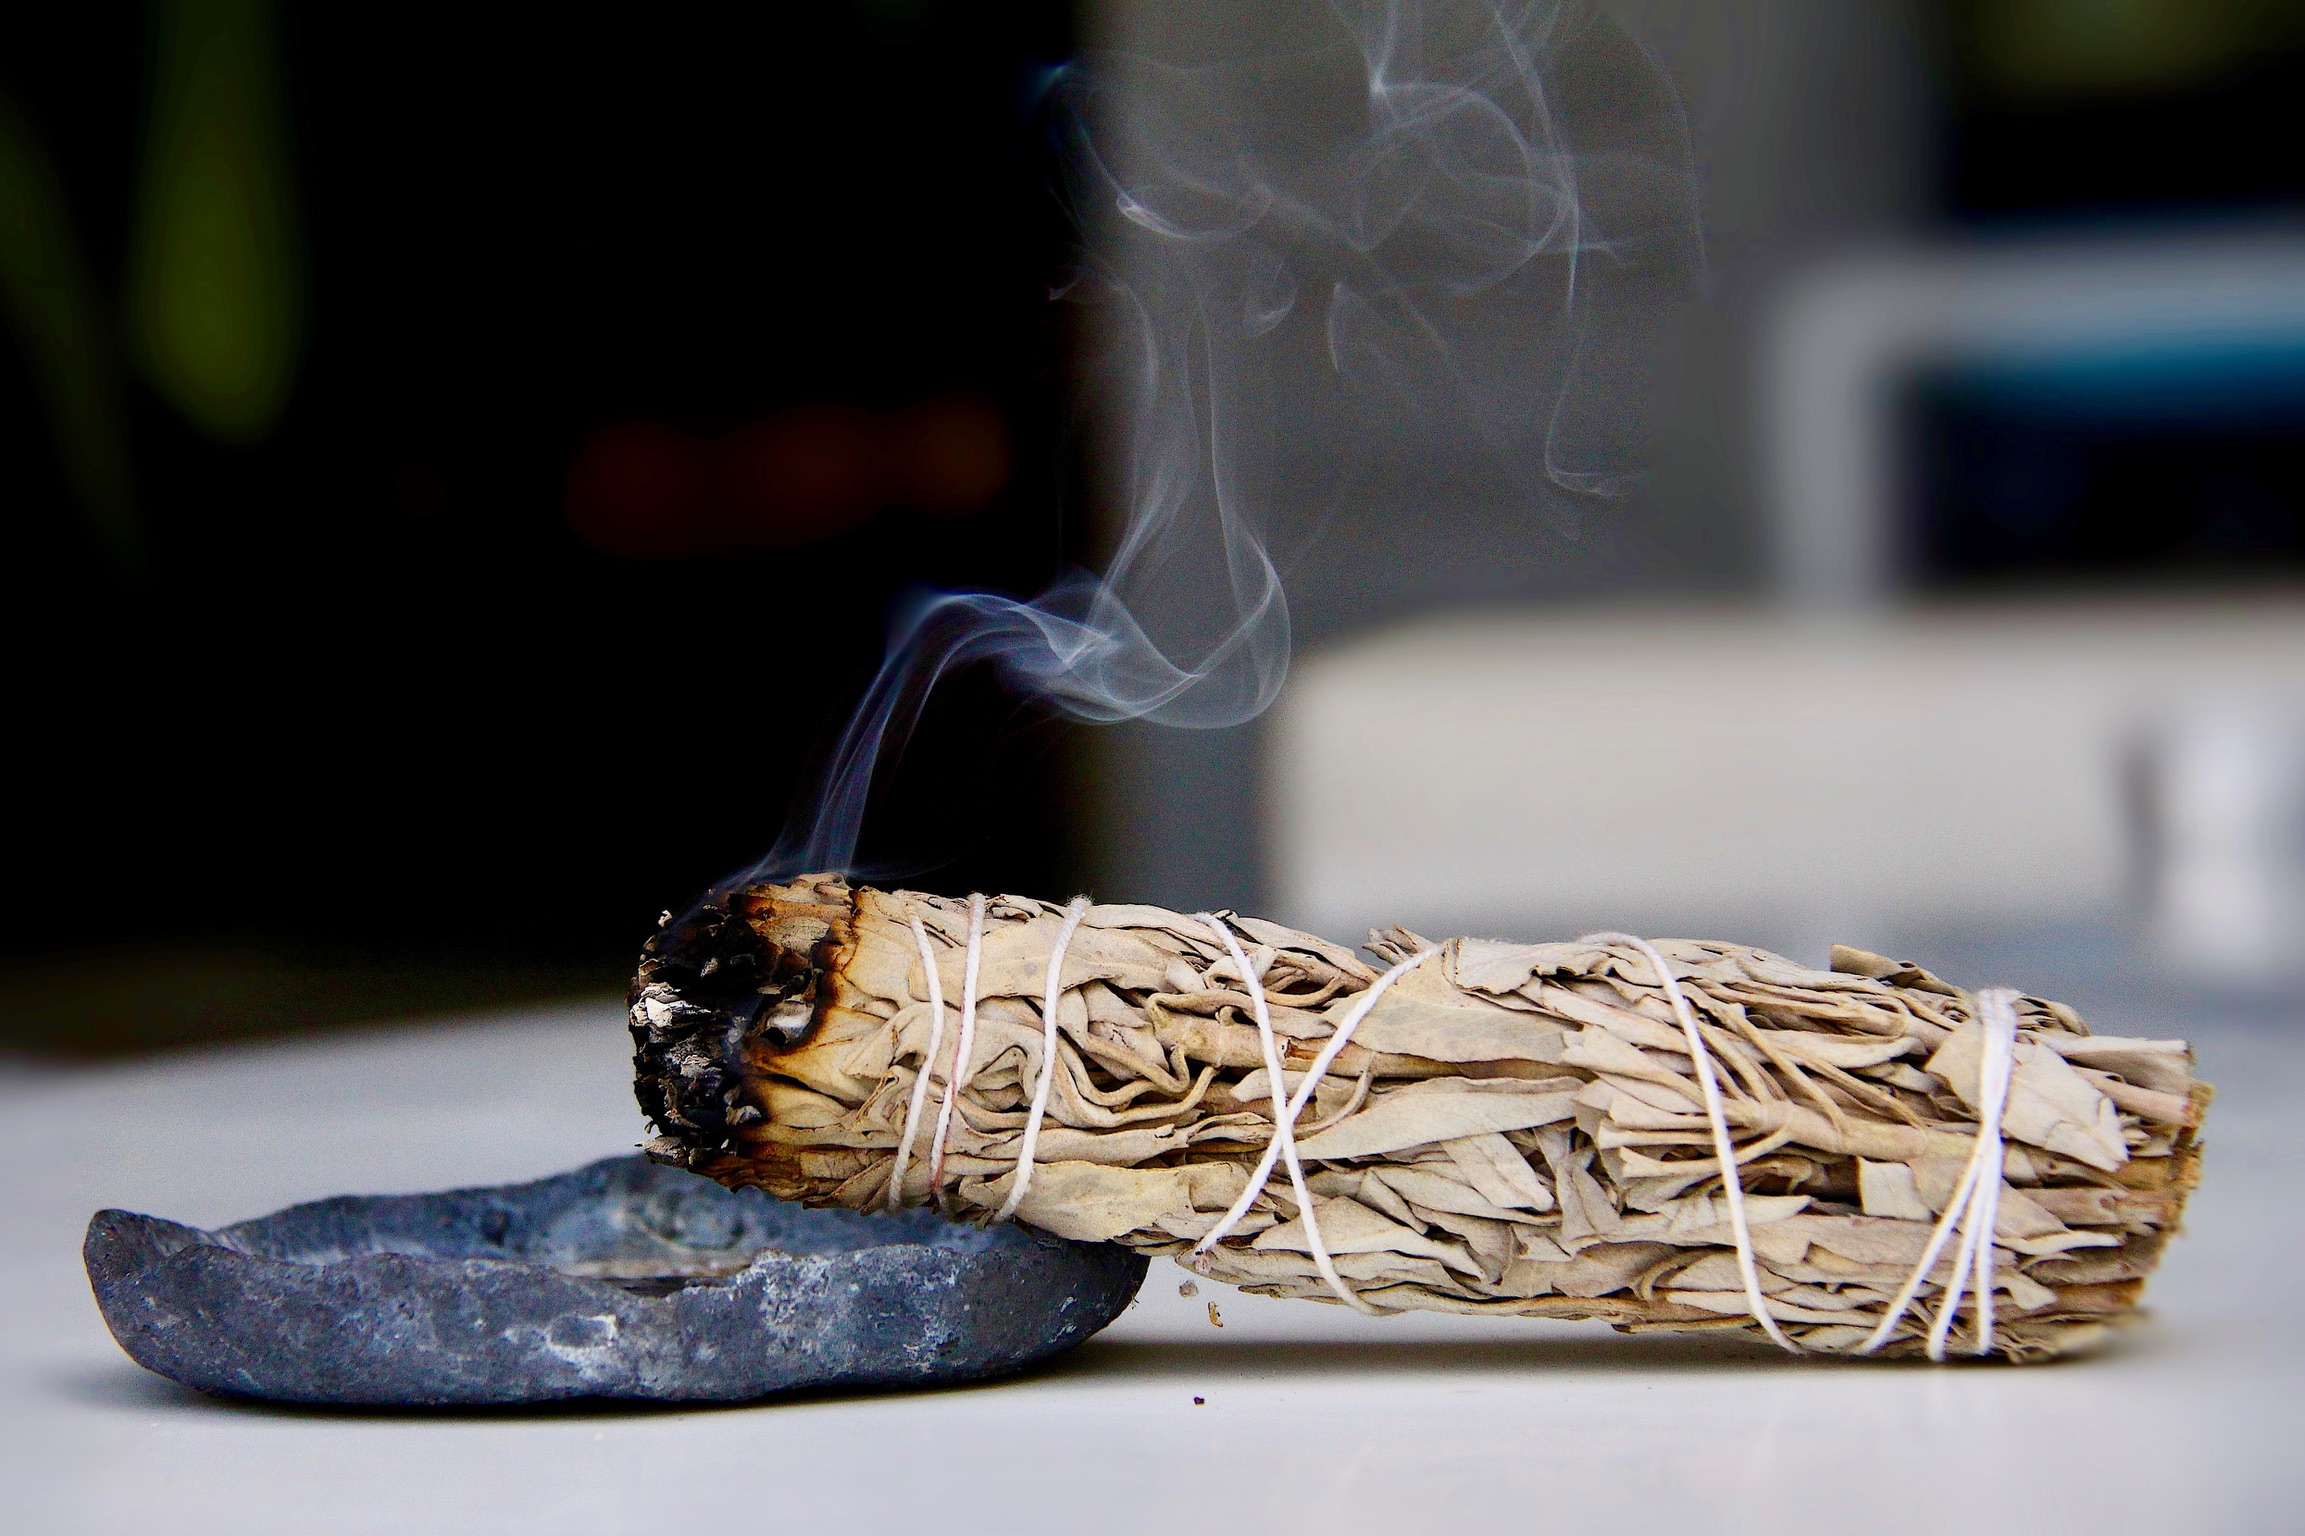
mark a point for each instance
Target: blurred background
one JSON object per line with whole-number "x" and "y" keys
{"x": 458, "y": 470}
{"x": 457, "y": 466}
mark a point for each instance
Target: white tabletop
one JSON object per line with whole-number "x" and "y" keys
{"x": 1315, "y": 1419}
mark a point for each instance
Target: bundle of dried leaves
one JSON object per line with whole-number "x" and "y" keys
{"x": 1514, "y": 1127}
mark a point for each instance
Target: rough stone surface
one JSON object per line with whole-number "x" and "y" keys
{"x": 621, "y": 1279}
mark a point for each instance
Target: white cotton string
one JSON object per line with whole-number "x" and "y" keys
{"x": 1732, "y": 1178}
{"x": 927, "y": 1065}
{"x": 1975, "y": 1204}
{"x": 1284, "y": 1133}
{"x": 1997, "y": 1013}
{"x": 1337, "y": 1042}
{"x": 1048, "y": 1037}
{"x": 957, "y": 1078}
{"x": 1286, "y": 1109}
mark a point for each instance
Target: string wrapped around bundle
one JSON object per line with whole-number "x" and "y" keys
{"x": 1471, "y": 1126}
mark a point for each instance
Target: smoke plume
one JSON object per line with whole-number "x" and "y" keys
{"x": 1451, "y": 221}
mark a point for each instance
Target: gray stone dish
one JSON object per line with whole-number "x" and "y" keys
{"x": 621, "y": 1279}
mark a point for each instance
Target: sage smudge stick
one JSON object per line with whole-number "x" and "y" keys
{"x": 1511, "y": 1127}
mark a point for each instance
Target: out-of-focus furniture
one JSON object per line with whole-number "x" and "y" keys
{"x": 1752, "y": 774}
{"x": 2150, "y": 327}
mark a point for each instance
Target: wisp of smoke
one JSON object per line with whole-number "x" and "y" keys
{"x": 1472, "y": 212}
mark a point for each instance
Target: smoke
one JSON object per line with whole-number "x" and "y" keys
{"x": 1456, "y": 222}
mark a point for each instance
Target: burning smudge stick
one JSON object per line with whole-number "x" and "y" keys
{"x": 1511, "y": 1128}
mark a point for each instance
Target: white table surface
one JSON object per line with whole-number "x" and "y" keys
{"x": 1315, "y": 1420}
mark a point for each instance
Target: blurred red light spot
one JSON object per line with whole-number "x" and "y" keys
{"x": 419, "y": 493}
{"x": 801, "y": 476}
{"x": 951, "y": 457}
{"x": 640, "y": 491}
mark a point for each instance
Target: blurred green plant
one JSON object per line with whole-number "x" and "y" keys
{"x": 215, "y": 282}
{"x": 898, "y": 20}
{"x": 64, "y": 329}
{"x": 2049, "y": 48}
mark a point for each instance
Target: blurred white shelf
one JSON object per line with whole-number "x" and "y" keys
{"x": 1746, "y": 773}
{"x": 1315, "y": 1420}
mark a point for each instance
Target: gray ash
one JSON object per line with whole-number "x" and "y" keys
{"x": 709, "y": 991}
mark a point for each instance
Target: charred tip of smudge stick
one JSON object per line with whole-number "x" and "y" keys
{"x": 720, "y": 991}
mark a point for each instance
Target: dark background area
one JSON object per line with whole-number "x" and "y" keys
{"x": 2023, "y": 490}
{"x": 2136, "y": 469}
{"x": 378, "y": 697}
{"x": 2180, "y": 105}
{"x": 647, "y": 355}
